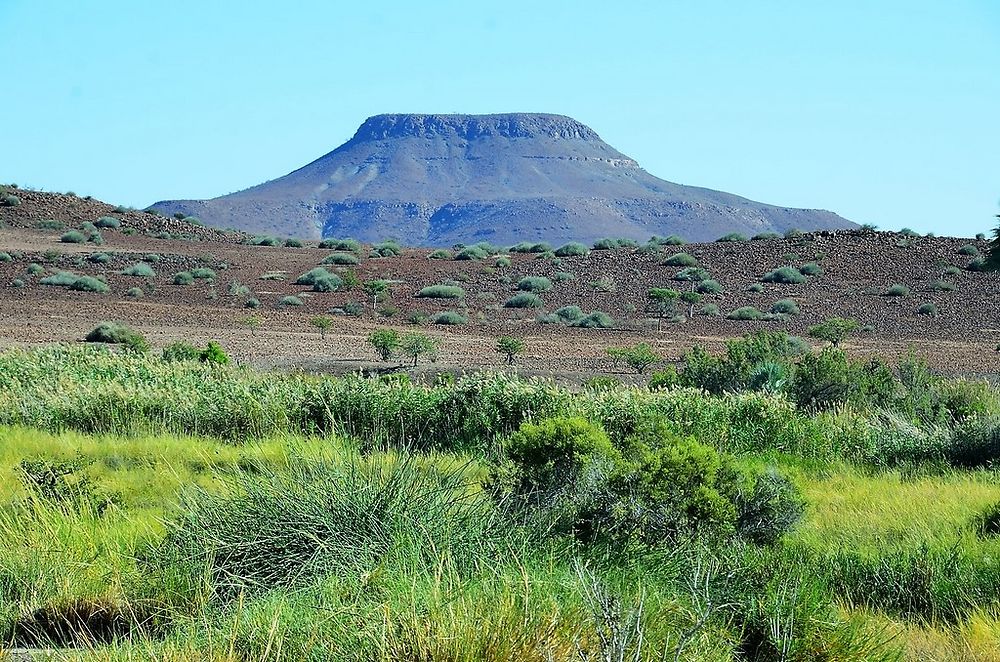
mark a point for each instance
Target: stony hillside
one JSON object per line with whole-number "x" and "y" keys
{"x": 437, "y": 180}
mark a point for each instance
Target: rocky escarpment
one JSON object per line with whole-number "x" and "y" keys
{"x": 445, "y": 179}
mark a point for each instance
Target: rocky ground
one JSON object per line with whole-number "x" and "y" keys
{"x": 858, "y": 268}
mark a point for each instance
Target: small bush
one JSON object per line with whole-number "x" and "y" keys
{"x": 692, "y": 275}
{"x": 183, "y": 278}
{"x": 252, "y": 303}
{"x": 534, "y": 284}
{"x": 595, "y": 320}
{"x": 638, "y": 357}
{"x": 524, "y": 300}
{"x": 681, "y": 260}
{"x": 17, "y": 283}
{"x": 529, "y": 247}
{"x": 898, "y": 290}
{"x": 5, "y": 257}
{"x": 563, "y": 276}
{"x": 756, "y": 288}
{"x": 569, "y": 313}
{"x": 928, "y": 309}
{"x": 766, "y": 236}
{"x": 310, "y": 277}
{"x": 732, "y": 237}
{"x": 571, "y": 249}
{"x": 350, "y": 245}
{"x": 669, "y": 240}
{"x": 118, "y": 334}
{"x": 449, "y": 317}
{"x": 292, "y": 242}
{"x": 140, "y": 269}
{"x": 99, "y": 258}
{"x": 969, "y": 250}
{"x": 907, "y": 232}
{"x": 34, "y": 269}
{"x": 10, "y": 200}
{"x": 265, "y": 240}
{"x": 73, "y": 237}
{"x": 386, "y": 249}
{"x": 134, "y": 293}
{"x": 439, "y": 254}
{"x": 290, "y": 301}
{"x": 811, "y": 269}
{"x": 503, "y": 262}
{"x": 105, "y": 222}
{"x": 784, "y": 275}
{"x": 441, "y": 292}
{"x": 203, "y": 273}
{"x": 709, "y": 287}
{"x": 476, "y": 252}
{"x": 942, "y": 286}
{"x": 608, "y": 244}
{"x": 785, "y": 307}
{"x": 90, "y": 284}
{"x": 794, "y": 233}
{"x": 60, "y": 279}
{"x": 977, "y": 265}
{"x": 711, "y": 310}
{"x": 746, "y": 313}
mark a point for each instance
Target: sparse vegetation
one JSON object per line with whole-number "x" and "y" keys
{"x": 709, "y": 286}
{"x": 510, "y": 347}
{"x": 141, "y": 270}
{"x": 536, "y": 284}
{"x": 898, "y": 290}
{"x": 183, "y": 278}
{"x": 746, "y": 313}
{"x": 290, "y": 300}
{"x": 732, "y": 237}
{"x": 928, "y": 309}
{"x": 572, "y": 249}
{"x": 111, "y": 333}
{"x": 441, "y": 292}
{"x": 341, "y": 259}
{"x": 785, "y": 276}
{"x": 785, "y": 307}
{"x": 681, "y": 260}
{"x": 639, "y": 357}
{"x": 524, "y": 300}
{"x": 449, "y": 318}
{"x": 322, "y": 324}
{"x": 595, "y": 320}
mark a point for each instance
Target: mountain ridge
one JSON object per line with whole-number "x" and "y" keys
{"x": 431, "y": 179}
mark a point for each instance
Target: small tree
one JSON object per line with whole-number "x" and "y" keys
{"x": 416, "y": 345}
{"x": 375, "y": 289}
{"x": 385, "y": 342}
{"x": 639, "y": 357}
{"x": 692, "y": 299}
{"x": 834, "y": 330}
{"x": 662, "y": 303}
{"x": 253, "y": 323}
{"x": 510, "y": 347}
{"x": 323, "y": 324}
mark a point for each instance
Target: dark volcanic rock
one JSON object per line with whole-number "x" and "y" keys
{"x": 445, "y": 179}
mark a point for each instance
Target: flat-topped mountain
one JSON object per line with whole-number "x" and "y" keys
{"x": 443, "y": 179}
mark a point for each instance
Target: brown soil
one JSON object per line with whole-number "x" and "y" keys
{"x": 857, "y": 270}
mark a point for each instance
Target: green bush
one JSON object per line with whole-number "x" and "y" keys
{"x": 5, "y": 257}
{"x": 639, "y": 357}
{"x": 834, "y": 330}
{"x": 608, "y": 244}
{"x": 595, "y": 320}
{"x": 503, "y": 262}
{"x": 439, "y": 254}
{"x": 810, "y": 269}
{"x": 977, "y": 265}
{"x": 265, "y": 240}
{"x": 785, "y": 307}
{"x": 449, "y": 318}
{"x": 183, "y": 278}
{"x": 766, "y": 236}
{"x": 669, "y": 240}
{"x": 928, "y": 309}
{"x": 571, "y": 249}
{"x": 386, "y": 249}
{"x": 349, "y": 245}
{"x": 898, "y": 290}
{"x": 563, "y": 276}
{"x": 134, "y": 293}
{"x": 290, "y": 301}
{"x": 291, "y": 242}
{"x": 681, "y": 260}
{"x": 203, "y": 273}
{"x": 534, "y": 284}
{"x": 711, "y": 310}
{"x": 99, "y": 258}
{"x": 529, "y": 247}
{"x": 755, "y": 288}
{"x": 105, "y": 222}
{"x": 524, "y": 300}
{"x": 441, "y": 292}
{"x": 73, "y": 237}
{"x": 942, "y": 286}
{"x": 118, "y": 334}
{"x": 140, "y": 269}
{"x": 181, "y": 351}
{"x": 692, "y": 275}
{"x": 784, "y": 275}
{"x": 327, "y": 283}
{"x": 745, "y": 313}
{"x": 569, "y": 313}
{"x": 310, "y": 277}
{"x": 341, "y": 259}
{"x": 732, "y": 237}
{"x": 90, "y": 284}
{"x": 34, "y": 269}
{"x": 60, "y": 279}
{"x": 10, "y": 200}
{"x": 476, "y": 252}
{"x": 709, "y": 286}
{"x": 969, "y": 249}
{"x": 17, "y": 283}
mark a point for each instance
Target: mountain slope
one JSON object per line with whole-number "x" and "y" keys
{"x": 444, "y": 179}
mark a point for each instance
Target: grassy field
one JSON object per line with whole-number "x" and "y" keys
{"x": 180, "y": 510}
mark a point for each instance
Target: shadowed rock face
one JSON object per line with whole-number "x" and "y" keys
{"x": 432, "y": 180}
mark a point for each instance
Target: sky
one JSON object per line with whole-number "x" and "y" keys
{"x": 885, "y": 112}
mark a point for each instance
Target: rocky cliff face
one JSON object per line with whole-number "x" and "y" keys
{"x": 445, "y": 179}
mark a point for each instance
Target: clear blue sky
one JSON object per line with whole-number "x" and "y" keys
{"x": 886, "y": 112}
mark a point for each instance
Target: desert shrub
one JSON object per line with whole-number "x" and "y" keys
{"x": 766, "y": 236}
{"x": 503, "y": 262}
{"x": 112, "y": 333}
{"x": 977, "y": 265}
{"x": 768, "y": 508}
{"x": 785, "y": 307}
{"x": 571, "y": 249}
{"x": 449, "y": 318}
{"x": 681, "y": 260}
{"x": 639, "y": 357}
{"x": 134, "y": 293}
{"x": 969, "y": 250}
{"x": 608, "y": 244}
{"x": 692, "y": 275}
{"x": 252, "y": 303}
{"x": 595, "y": 320}
{"x": 709, "y": 286}
{"x": 290, "y": 301}
{"x": 264, "y": 240}
{"x": 756, "y": 288}
{"x": 534, "y": 284}
{"x": 942, "y": 286}
{"x": 349, "y": 245}
{"x": 5, "y": 257}
{"x": 604, "y": 284}
{"x": 89, "y": 284}
{"x": 669, "y": 240}
{"x": 50, "y": 224}
{"x": 523, "y": 300}
{"x": 711, "y": 310}
{"x": 822, "y": 380}
{"x": 898, "y": 290}
{"x": 529, "y": 247}
{"x": 907, "y": 232}
{"x": 385, "y": 342}
{"x": 34, "y": 269}
{"x": 563, "y": 276}
{"x": 834, "y": 330}
{"x": 441, "y": 292}
{"x": 60, "y": 279}
{"x": 183, "y": 278}
{"x": 439, "y": 254}
{"x": 10, "y": 200}
{"x": 292, "y": 242}
{"x": 952, "y": 270}
{"x": 17, "y": 283}
{"x": 341, "y": 259}
{"x": 203, "y": 273}
{"x": 310, "y": 277}
{"x": 327, "y": 283}
{"x": 928, "y": 309}
{"x": 732, "y": 237}
{"x": 475, "y": 252}
{"x": 745, "y": 313}
{"x": 107, "y": 222}
{"x": 568, "y": 313}
{"x": 99, "y": 258}
{"x": 810, "y": 269}
{"x": 386, "y": 249}
{"x": 784, "y": 275}
{"x": 181, "y": 351}
{"x": 140, "y": 269}
{"x": 73, "y": 237}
